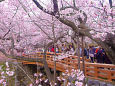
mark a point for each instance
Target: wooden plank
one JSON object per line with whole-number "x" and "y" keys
{"x": 103, "y": 76}
{"x": 99, "y": 79}
{"x": 90, "y": 74}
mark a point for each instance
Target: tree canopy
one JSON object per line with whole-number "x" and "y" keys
{"x": 23, "y": 24}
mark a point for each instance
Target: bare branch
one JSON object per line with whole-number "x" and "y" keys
{"x": 55, "y": 6}
{"x": 85, "y": 19}
{"x": 77, "y": 9}
{"x": 33, "y": 20}
{"x": 42, "y": 30}
{"x": 12, "y": 46}
{"x": 7, "y": 32}
{"x": 74, "y": 3}
{"x": 10, "y": 24}
{"x": 43, "y": 9}
{"x": 5, "y": 38}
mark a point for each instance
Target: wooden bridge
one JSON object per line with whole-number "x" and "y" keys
{"x": 104, "y": 72}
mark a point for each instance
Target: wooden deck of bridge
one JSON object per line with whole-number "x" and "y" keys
{"x": 104, "y": 72}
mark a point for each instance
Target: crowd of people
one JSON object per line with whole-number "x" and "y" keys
{"x": 95, "y": 54}
{"x": 61, "y": 49}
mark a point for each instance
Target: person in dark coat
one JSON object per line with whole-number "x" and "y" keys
{"x": 86, "y": 53}
{"x": 100, "y": 56}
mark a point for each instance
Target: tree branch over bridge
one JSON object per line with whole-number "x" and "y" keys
{"x": 82, "y": 28}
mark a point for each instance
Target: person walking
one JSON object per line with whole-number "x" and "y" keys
{"x": 91, "y": 54}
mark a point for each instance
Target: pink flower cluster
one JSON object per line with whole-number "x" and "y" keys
{"x": 75, "y": 76}
{"x": 5, "y": 73}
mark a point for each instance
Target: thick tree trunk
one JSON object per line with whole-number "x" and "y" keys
{"x": 48, "y": 73}
{"x": 85, "y": 32}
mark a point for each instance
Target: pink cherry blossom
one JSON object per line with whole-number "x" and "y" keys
{"x": 30, "y": 85}
{"x": 10, "y": 73}
{"x": 78, "y": 83}
{"x": 35, "y": 74}
{"x": 37, "y": 81}
{"x": 1, "y": 81}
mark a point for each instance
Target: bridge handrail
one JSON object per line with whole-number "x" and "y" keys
{"x": 100, "y": 71}
{"x": 92, "y": 70}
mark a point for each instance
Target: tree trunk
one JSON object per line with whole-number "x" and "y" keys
{"x": 85, "y": 32}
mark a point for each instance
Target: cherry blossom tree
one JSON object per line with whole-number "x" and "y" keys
{"x": 94, "y": 19}
{"x": 23, "y": 24}
{"x": 21, "y": 27}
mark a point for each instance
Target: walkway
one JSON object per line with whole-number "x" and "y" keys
{"x": 104, "y": 72}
